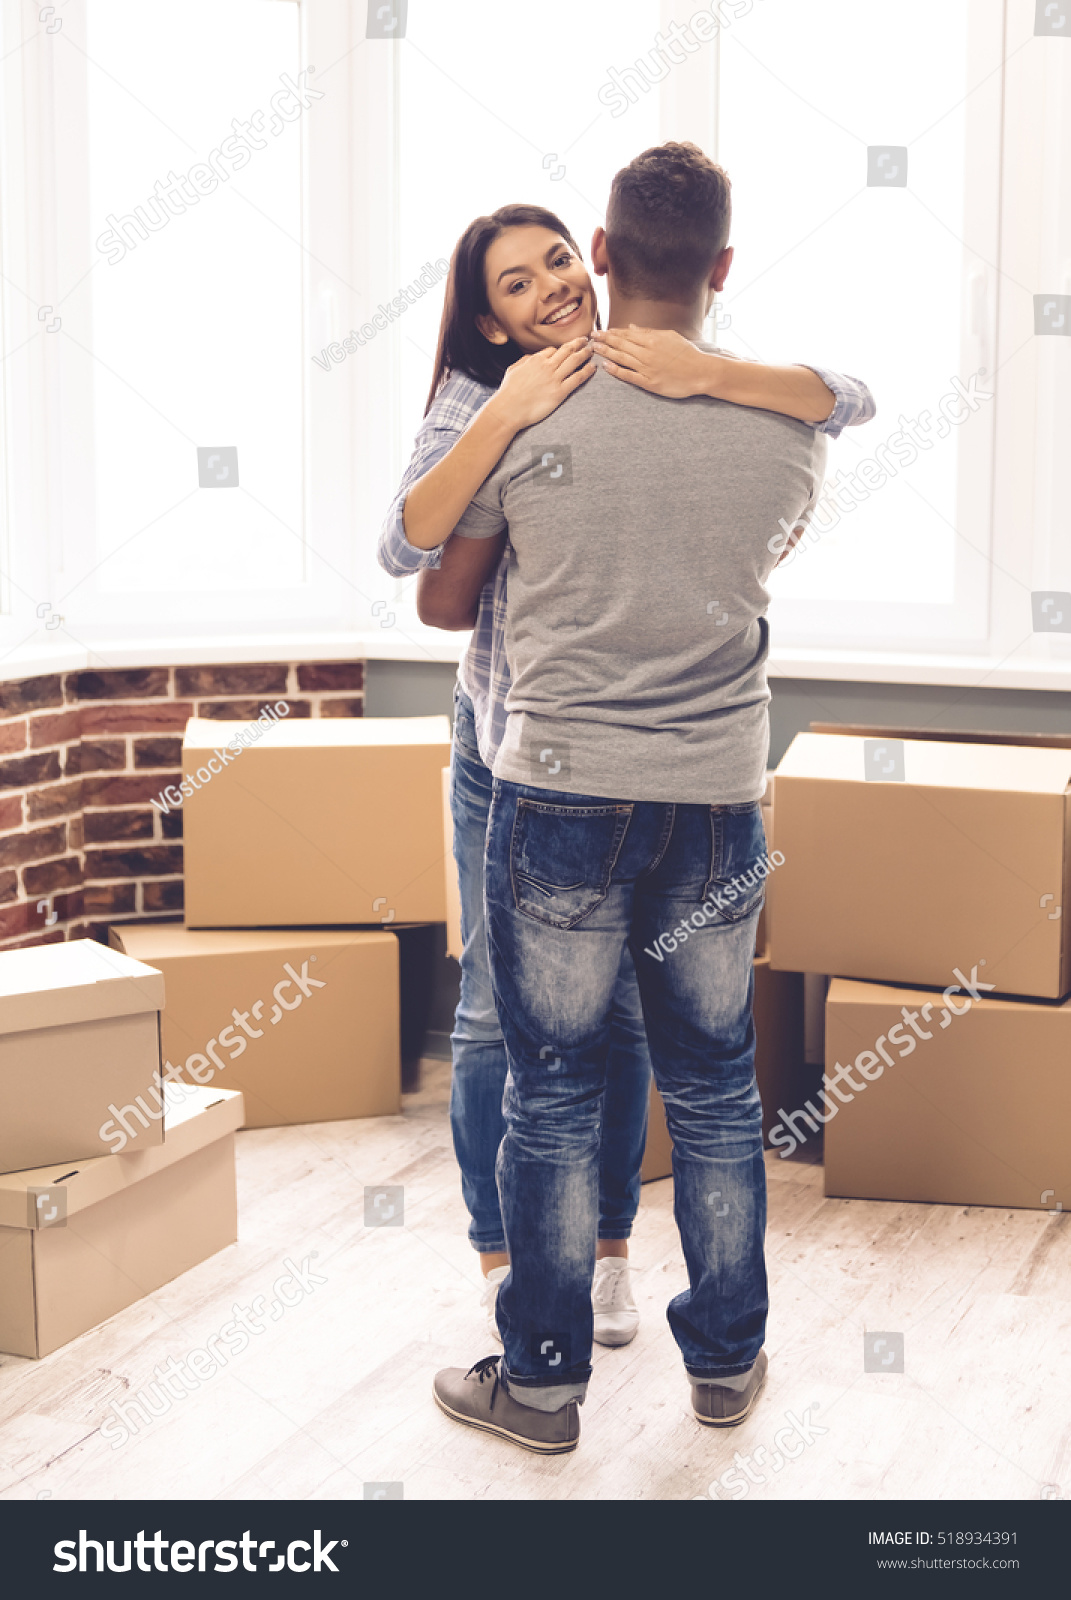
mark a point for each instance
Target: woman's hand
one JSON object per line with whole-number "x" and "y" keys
{"x": 537, "y": 384}
{"x": 666, "y": 363}
{"x": 532, "y": 388}
{"x": 656, "y": 359}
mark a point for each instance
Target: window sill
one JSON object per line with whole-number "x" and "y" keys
{"x": 889, "y": 666}
{"x": 43, "y": 653}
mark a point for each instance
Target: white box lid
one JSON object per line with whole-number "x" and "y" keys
{"x": 193, "y": 1118}
{"x": 929, "y": 763}
{"x": 204, "y": 734}
{"x": 79, "y": 980}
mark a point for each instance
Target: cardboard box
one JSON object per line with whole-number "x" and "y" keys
{"x": 78, "y": 1036}
{"x": 964, "y": 861}
{"x": 976, "y": 1115}
{"x": 867, "y": 730}
{"x": 779, "y": 1066}
{"x": 333, "y": 820}
{"x": 815, "y": 988}
{"x": 327, "y": 1054}
{"x": 453, "y": 886}
{"x": 117, "y": 1227}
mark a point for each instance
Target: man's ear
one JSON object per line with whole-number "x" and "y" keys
{"x": 720, "y": 269}
{"x": 600, "y": 261}
{"x": 491, "y": 329}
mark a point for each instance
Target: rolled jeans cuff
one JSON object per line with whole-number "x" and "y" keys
{"x": 743, "y": 1373}
{"x": 544, "y": 1397}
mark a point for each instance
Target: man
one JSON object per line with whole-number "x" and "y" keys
{"x": 626, "y": 807}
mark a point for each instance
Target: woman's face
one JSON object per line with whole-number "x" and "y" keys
{"x": 538, "y": 290}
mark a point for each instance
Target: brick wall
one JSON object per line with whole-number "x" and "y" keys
{"x": 82, "y": 754}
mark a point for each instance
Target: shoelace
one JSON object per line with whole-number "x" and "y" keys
{"x": 482, "y": 1370}
{"x": 610, "y": 1285}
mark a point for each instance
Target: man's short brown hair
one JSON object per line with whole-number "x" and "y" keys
{"x": 667, "y": 221}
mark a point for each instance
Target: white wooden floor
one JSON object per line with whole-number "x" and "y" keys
{"x": 336, "y": 1393}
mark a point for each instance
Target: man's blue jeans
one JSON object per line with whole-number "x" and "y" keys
{"x": 479, "y": 1053}
{"x": 572, "y": 882}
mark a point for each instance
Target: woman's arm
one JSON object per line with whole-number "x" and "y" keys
{"x": 448, "y": 596}
{"x": 665, "y": 363}
{"x": 532, "y": 388}
{"x": 453, "y": 409}
{"x": 793, "y": 391}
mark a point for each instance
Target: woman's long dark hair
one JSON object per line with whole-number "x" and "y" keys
{"x": 462, "y": 347}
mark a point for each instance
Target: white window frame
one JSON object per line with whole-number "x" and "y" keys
{"x": 348, "y": 154}
{"x": 1017, "y": 487}
{"x": 941, "y": 629}
{"x": 1016, "y": 484}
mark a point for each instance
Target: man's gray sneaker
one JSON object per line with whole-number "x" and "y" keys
{"x": 718, "y": 1406}
{"x": 480, "y": 1399}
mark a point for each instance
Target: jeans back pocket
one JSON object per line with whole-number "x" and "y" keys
{"x": 562, "y": 858}
{"x": 737, "y": 861}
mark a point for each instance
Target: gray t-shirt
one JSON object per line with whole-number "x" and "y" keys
{"x": 636, "y": 629}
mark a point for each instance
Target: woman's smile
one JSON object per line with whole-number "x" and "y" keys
{"x": 563, "y": 315}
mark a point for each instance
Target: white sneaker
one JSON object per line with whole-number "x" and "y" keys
{"x": 489, "y": 1298}
{"x": 616, "y": 1316}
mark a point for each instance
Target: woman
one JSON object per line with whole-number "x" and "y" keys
{"x": 514, "y": 342}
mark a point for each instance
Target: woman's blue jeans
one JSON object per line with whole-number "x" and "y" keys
{"x": 479, "y": 1051}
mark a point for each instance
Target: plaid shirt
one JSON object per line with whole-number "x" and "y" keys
{"x": 484, "y": 671}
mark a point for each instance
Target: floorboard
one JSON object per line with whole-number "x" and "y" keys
{"x": 335, "y": 1394}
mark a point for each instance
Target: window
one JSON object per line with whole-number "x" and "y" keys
{"x": 200, "y": 200}
{"x": 171, "y": 474}
{"x": 479, "y": 129}
{"x": 916, "y": 280}
{"x": 866, "y": 225}
{"x": 194, "y": 324}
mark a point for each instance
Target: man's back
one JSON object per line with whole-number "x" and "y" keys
{"x": 639, "y": 531}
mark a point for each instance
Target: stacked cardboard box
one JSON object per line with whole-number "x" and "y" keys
{"x": 108, "y": 1188}
{"x": 117, "y": 1167}
{"x": 297, "y": 833}
{"x": 79, "y": 1046}
{"x": 314, "y": 823}
{"x": 77, "y": 1246}
{"x": 304, "y": 1024}
{"x": 938, "y": 870}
